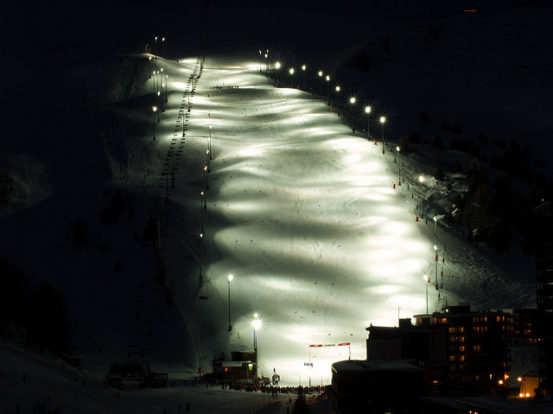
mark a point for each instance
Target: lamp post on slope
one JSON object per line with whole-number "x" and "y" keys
{"x": 229, "y": 279}
{"x": 368, "y": 112}
{"x": 426, "y": 282}
{"x": 382, "y": 122}
{"x": 256, "y": 324}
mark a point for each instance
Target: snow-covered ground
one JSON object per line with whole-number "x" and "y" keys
{"x": 32, "y": 384}
{"x": 305, "y": 216}
{"x": 300, "y": 210}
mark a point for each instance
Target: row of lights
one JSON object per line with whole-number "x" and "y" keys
{"x": 337, "y": 88}
{"x": 368, "y": 109}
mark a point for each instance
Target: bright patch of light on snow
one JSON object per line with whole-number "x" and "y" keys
{"x": 384, "y": 289}
{"x": 319, "y": 242}
{"x": 180, "y": 86}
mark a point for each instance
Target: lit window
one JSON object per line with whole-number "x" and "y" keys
{"x": 452, "y": 358}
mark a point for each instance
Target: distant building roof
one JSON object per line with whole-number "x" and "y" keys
{"x": 379, "y": 365}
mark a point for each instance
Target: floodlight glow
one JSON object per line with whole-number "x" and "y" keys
{"x": 421, "y": 178}
{"x": 352, "y": 100}
{"x": 230, "y": 277}
{"x": 266, "y": 55}
{"x": 327, "y": 78}
{"x": 162, "y": 69}
{"x": 277, "y": 65}
{"x": 338, "y": 88}
{"x": 367, "y": 109}
{"x": 382, "y": 119}
{"x": 291, "y": 71}
{"x": 320, "y": 73}
{"x": 303, "y": 67}
{"x": 397, "y": 148}
{"x": 256, "y": 323}
{"x": 163, "y": 39}
{"x": 154, "y": 108}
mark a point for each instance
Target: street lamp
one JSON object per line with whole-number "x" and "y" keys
{"x": 398, "y": 166}
{"x": 427, "y": 281}
{"x": 229, "y": 279}
{"x": 163, "y": 47}
{"x": 382, "y": 121}
{"x": 166, "y": 80}
{"x": 277, "y": 67}
{"x": 337, "y": 88}
{"x": 291, "y": 72}
{"x": 303, "y": 69}
{"x": 436, "y": 249}
{"x": 259, "y": 60}
{"x": 320, "y": 74}
{"x": 154, "y": 109}
{"x": 209, "y": 144}
{"x": 421, "y": 180}
{"x": 368, "y": 112}
{"x": 352, "y": 100}
{"x": 256, "y": 324}
{"x": 327, "y": 78}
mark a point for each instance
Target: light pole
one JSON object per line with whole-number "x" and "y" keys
{"x": 352, "y": 101}
{"x": 259, "y": 60}
{"x": 166, "y": 80}
{"x": 303, "y": 69}
{"x": 320, "y": 73}
{"x": 156, "y": 48}
{"x": 162, "y": 47}
{"x": 229, "y": 279}
{"x": 154, "y": 109}
{"x": 277, "y": 67}
{"x": 266, "y": 64}
{"x": 421, "y": 180}
{"x": 327, "y": 78}
{"x": 436, "y": 249}
{"x": 209, "y": 144}
{"x": 368, "y": 112}
{"x": 256, "y": 324}
{"x": 398, "y": 166}
{"x": 291, "y": 72}
{"x": 160, "y": 73}
{"x": 382, "y": 121}
{"x": 427, "y": 281}
{"x": 203, "y": 200}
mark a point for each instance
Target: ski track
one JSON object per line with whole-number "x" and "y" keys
{"x": 304, "y": 215}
